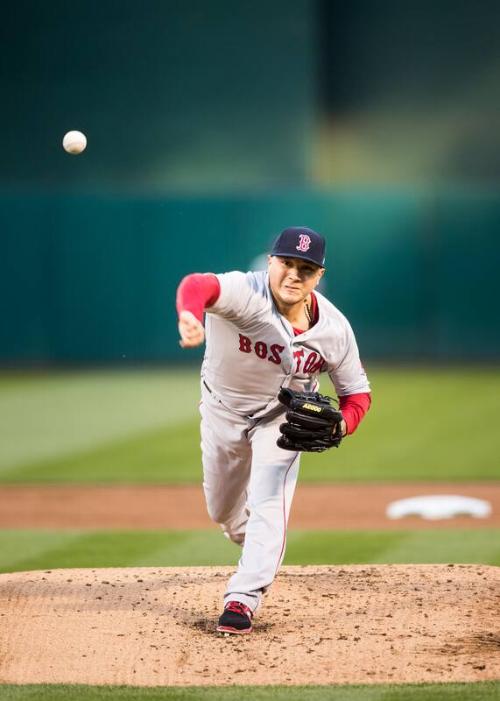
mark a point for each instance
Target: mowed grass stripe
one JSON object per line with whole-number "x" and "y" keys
{"x": 113, "y": 549}
{"x": 143, "y": 427}
{"x": 22, "y": 550}
{"x": 391, "y": 547}
{"x": 170, "y": 454}
{"x": 402, "y": 439}
{"x": 480, "y": 691}
{"x": 46, "y": 416}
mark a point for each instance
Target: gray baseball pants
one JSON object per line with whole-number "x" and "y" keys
{"x": 249, "y": 484}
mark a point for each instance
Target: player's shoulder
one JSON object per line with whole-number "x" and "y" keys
{"x": 258, "y": 280}
{"x": 255, "y": 280}
{"x": 329, "y": 313}
{"x": 242, "y": 294}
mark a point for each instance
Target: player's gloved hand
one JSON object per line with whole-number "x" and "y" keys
{"x": 312, "y": 423}
{"x": 191, "y": 330}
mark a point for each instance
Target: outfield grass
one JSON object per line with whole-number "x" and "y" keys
{"x": 481, "y": 691}
{"x": 25, "y": 550}
{"x": 142, "y": 426}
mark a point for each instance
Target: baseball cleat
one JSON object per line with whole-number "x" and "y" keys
{"x": 235, "y": 620}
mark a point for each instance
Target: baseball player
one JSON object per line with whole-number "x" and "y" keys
{"x": 269, "y": 335}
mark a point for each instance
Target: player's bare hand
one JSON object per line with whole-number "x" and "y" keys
{"x": 191, "y": 330}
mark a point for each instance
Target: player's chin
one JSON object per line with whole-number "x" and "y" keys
{"x": 292, "y": 296}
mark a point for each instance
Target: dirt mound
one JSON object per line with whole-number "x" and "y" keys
{"x": 318, "y": 625}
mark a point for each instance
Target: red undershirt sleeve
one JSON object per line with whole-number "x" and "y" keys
{"x": 353, "y": 408}
{"x": 196, "y": 292}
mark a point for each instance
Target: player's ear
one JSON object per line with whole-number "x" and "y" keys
{"x": 321, "y": 272}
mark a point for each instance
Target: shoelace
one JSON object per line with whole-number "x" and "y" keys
{"x": 238, "y": 607}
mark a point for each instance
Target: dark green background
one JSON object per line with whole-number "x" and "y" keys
{"x": 212, "y": 126}
{"x": 93, "y": 278}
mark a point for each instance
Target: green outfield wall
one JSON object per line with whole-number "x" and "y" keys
{"x": 283, "y": 112}
{"x": 93, "y": 278}
{"x": 170, "y": 94}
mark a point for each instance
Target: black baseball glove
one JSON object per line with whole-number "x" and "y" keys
{"x": 312, "y": 423}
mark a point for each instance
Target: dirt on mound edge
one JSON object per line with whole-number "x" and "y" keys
{"x": 318, "y": 625}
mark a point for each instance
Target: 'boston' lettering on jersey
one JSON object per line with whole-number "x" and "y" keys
{"x": 313, "y": 362}
{"x": 260, "y": 349}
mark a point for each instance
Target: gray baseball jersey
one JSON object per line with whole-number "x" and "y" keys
{"x": 252, "y": 350}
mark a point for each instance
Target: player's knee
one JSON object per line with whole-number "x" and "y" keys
{"x": 233, "y": 530}
{"x": 218, "y": 513}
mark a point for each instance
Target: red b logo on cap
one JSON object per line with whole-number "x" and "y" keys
{"x": 304, "y": 243}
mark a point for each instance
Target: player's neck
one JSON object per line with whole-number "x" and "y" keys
{"x": 297, "y": 314}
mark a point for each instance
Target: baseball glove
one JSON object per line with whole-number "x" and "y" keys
{"x": 312, "y": 423}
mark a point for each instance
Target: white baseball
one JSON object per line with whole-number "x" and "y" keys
{"x": 74, "y": 142}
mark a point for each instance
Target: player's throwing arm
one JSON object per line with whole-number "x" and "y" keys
{"x": 191, "y": 330}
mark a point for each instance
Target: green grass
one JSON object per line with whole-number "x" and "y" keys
{"x": 391, "y": 547}
{"x": 46, "y": 418}
{"x": 169, "y": 454}
{"x": 142, "y": 426}
{"x": 481, "y": 691}
{"x": 25, "y": 550}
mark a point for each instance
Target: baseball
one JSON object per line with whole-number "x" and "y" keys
{"x": 74, "y": 142}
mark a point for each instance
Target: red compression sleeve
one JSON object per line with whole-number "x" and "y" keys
{"x": 196, "y": 292}
{"x": 353, "y": 408}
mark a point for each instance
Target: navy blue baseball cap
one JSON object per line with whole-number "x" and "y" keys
{"x": 300, "y": 242}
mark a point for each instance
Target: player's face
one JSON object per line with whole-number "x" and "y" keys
{"x": 292, "y": 279}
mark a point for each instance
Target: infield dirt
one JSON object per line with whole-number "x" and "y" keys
{"x": 321, "y": 625}
{"x": 315, "y": 506}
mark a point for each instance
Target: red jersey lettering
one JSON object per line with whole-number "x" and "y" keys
{"x": 245, "y": 344}
{"x": 261, "y": 349}
{"x": 298, "y": 357}
{"x": 276, "y": 351}
{"x": 309, "y": 364}
{"x": 319, "y": 366}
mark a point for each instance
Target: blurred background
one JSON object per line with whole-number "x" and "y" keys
{"x": 212, "y": 126}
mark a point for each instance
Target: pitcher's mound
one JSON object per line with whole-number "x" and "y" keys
{"x": 318, "y": 625}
